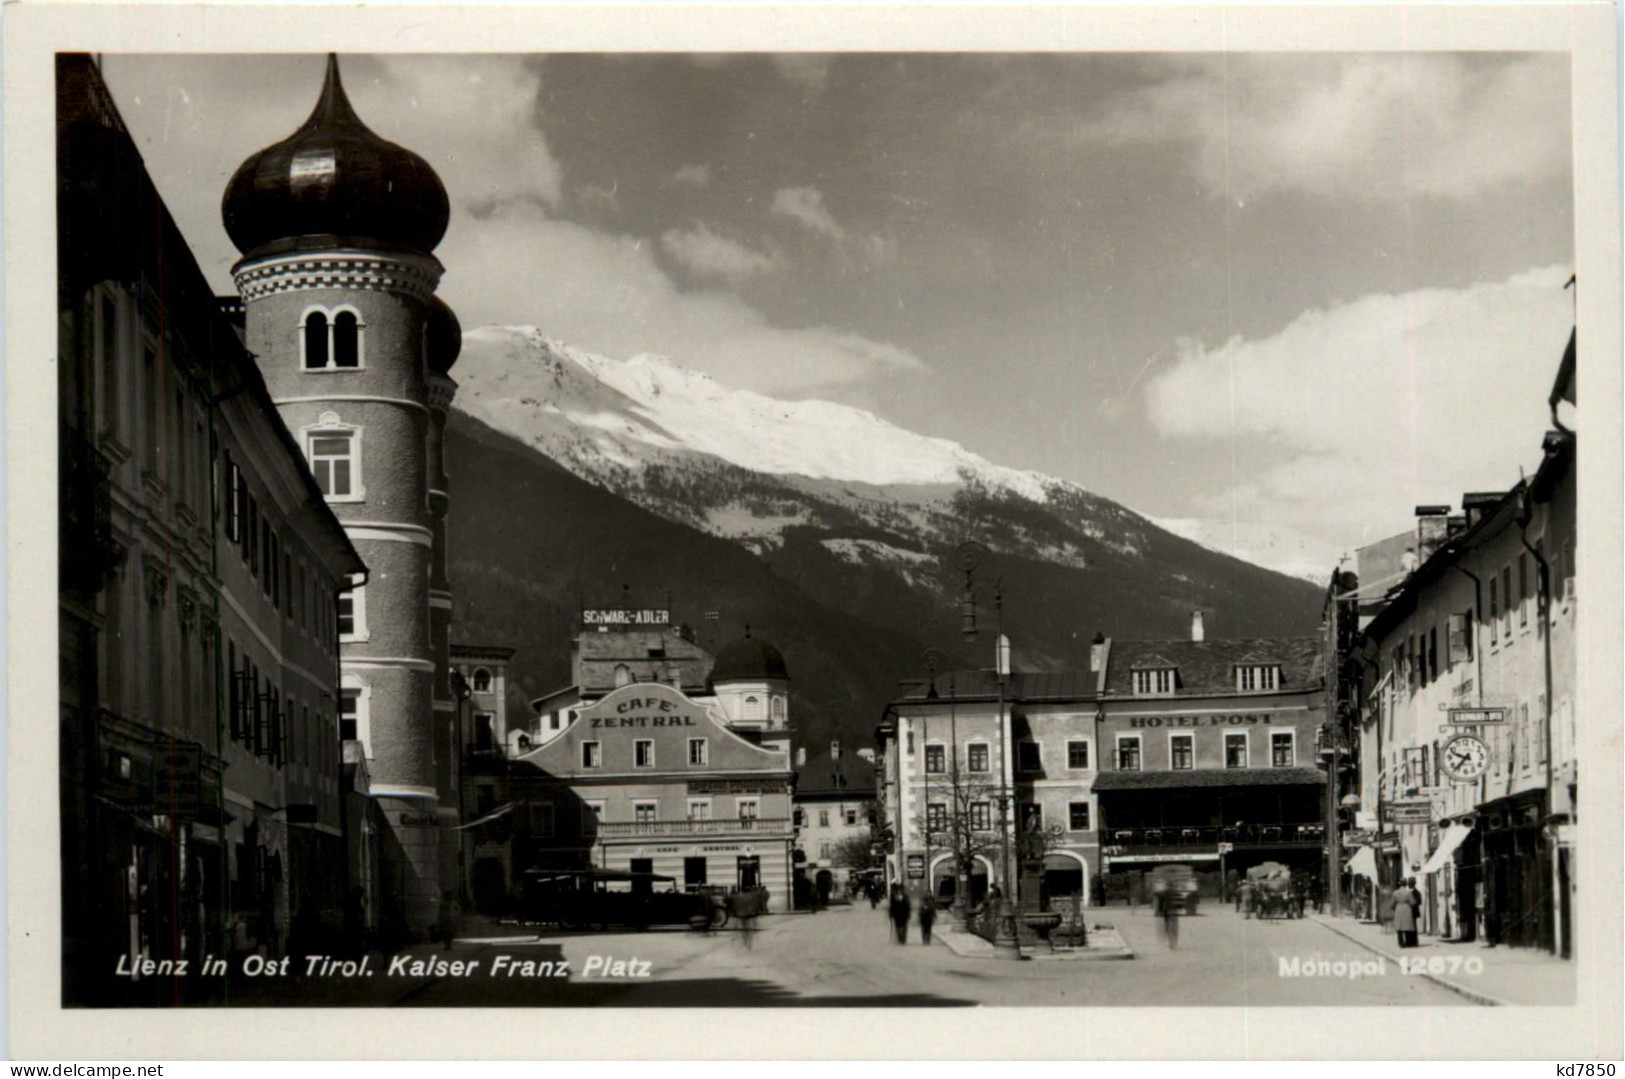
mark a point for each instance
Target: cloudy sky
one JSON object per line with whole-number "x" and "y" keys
{"x": 1312, "y": 291}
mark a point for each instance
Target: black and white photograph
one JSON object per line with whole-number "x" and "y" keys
{"x": 868, "y": 528}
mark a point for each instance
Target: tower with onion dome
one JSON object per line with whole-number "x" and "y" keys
{"x": 337, "y": 228}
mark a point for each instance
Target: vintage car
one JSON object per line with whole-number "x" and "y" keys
{"x": 600, "y": 898}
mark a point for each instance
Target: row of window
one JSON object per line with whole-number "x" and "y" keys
{"x": 270, "y": 725}
{"x": 1249, "y": 678}
{"x": 1029, "y": 757}
{"x": 979, "y": 817}
{"x": 172, "y": 431}
{"x": 1414, "y": 662}
{"x": 643, "y": 753}
{"x": 849, "y": 816}
{"x": 1182, "y": 751}
{"x": 287, "y": 583}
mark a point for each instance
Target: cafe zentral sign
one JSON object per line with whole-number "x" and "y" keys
{"x": 1242, "y": 719}
{"x": 643, "y": 708}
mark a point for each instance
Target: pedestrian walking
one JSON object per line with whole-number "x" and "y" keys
{"x": 928, "y": 917}
{"x": 1166, "y": 904}
{"x": 900, "y": 910}
{"x": 1244, "y": 897}
{"x": 1407, "y": 902}
{"x": 446, "y": 922}
{"x": 873, "y": 888}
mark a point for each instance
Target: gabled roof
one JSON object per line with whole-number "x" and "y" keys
{"x": 1208, "y": 667}
{"x": 850, "y": 777}
{"x": 983, "y": 685}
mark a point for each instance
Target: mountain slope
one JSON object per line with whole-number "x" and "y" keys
{"x": 827, "y": 528}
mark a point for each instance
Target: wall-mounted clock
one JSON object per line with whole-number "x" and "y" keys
{"x": 1466, "y": 757}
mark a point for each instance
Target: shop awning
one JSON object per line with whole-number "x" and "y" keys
{"x": 499, "y": 811}
{"x": 1364, "y": 864}
{"x": 1453, "y": 837}
{"x": 1187, "y": 778}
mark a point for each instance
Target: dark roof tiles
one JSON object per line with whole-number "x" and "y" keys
{"x": 1208, "y": 667}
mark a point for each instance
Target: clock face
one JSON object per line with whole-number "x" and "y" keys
{"x": 1466, "y": 757}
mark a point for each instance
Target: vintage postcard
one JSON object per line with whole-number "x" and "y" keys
{"x": 1028, "y": 526}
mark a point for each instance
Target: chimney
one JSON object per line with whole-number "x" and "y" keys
{"x": 1097, "y": 652}
{"x": 801, "y": 756}
{"x": 1196, "y": 625}
{"x": 1408, "y": 562}
{"x": 1432, "y": 526}
{"x": 1455, "y": 523}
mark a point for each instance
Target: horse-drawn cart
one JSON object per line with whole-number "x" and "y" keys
{"x": 1273, "y": 893}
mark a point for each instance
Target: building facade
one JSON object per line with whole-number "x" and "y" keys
{"x": 1210, "y": 753}
{"x": 200, "y": 761}
{"x": 648, "y": 779}
{"x": 480, "y": 682}
{"x": 834, "y": 814}
{"x": 337, "y": 227}
{"x": 1468, "y": 726}
{"x": 984, "y": 781}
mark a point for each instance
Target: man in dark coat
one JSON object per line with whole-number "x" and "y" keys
{"x": 1407, "y": 903}
{"x": 899, "y": 911}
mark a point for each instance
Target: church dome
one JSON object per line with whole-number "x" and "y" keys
{"x": 445, "y": 336}
{"x": 336, "y": 179}
{"x": 749, "y": 659}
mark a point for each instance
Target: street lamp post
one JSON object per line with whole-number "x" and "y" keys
{"x": 969, "y": 556}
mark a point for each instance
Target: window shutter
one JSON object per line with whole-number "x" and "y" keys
{"x": 1458, "y": 650}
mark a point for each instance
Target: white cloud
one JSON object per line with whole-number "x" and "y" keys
{"x": 704, "y": 252}
{"x": 1368, "y": 126}
{"x": 695, "y": 175}
{"x": 454, "y": 109}
{"x": 606, "y": 293}
{"x": 806, "y": 205}
{"x": 1372, "y": 407}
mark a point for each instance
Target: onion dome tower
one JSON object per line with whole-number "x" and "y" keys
{"x": 752, "y": 686}
{"x": 337, "y": 228}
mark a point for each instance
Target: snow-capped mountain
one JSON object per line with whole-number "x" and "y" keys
{"x": 748, "y": 467}
{"x": 579, "y": 480}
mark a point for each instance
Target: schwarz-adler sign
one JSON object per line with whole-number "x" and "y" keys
{"x": 624, "y": 616}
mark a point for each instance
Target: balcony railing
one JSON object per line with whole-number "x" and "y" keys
{"x": 1197, "y": 836}
{"x": 718, "y": 826}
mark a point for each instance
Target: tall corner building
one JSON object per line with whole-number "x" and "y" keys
{"x": 337, "y": 228}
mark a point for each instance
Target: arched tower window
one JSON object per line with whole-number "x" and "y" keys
{"x": 332, "y": 341}
{"x": 315, "y": 340}
{"x": 753, "y": 707}
{"x": 482, "y": 680}
{"x": 777, "y": 709}
{"x": 346, "y": 340}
